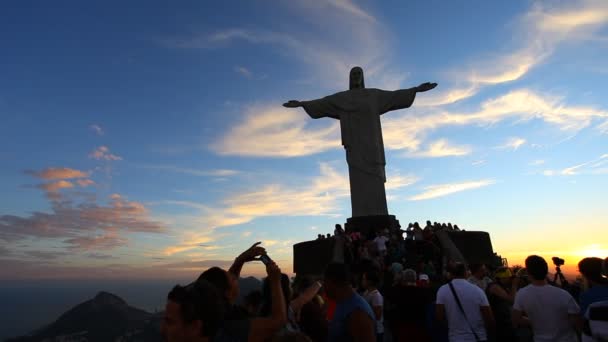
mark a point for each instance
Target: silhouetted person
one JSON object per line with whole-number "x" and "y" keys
{"x": 551, "y": 311}
{"x": 597, "y": 284}
{"x": 313, "y": 320}
{"x": 370, "y": 282}
{"x": 408, "y": 310}
{"x": 253, "y": 303}
{"x": 479, "y": 276}
{"x": 472, "y": 319}
{"x": 192, "y": 313}
{"x": 501, "y": 295}
{"x": 594, "y": 301}
{"x": 353, "y": 319}
{"x": 338, "y": 230}
{"x": 237, "y": 326}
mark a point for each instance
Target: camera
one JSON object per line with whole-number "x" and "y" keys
{"x": 558, "y": 261}
{"x": 265, "y": 259}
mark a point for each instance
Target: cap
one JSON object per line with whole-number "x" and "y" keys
{"x": 503, "y": 273}
{"x": 424, "y": 277}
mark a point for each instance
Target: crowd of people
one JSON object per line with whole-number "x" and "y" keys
{"x": 387, "y": 293}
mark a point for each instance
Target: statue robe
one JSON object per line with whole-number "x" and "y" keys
{"x": 359, "y": 113}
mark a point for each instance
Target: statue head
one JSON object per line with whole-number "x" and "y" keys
{"x": 356, "y": 78}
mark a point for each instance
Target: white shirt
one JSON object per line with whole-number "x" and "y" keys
{"x": 548, "y": 308}
{"x": 374, "y": 298}
{"x": 381, "y": 242}
{"x": 472, "y": 298}
{"x": 598, "y": 322}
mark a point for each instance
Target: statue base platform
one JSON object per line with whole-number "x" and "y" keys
{"x": 370, "y": 225}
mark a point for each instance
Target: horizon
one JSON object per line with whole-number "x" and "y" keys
{"x": 145, "y": 142}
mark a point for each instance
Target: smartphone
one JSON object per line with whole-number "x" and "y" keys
{"x": 265, "y": 259}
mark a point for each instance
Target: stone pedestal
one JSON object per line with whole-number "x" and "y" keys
{"x": 370, "y": 225}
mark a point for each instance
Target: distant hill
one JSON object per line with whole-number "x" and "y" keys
{"x": 107, "y": 317}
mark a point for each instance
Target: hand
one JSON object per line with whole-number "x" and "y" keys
{"x": 292, "y": 104}
{"x": 273, "y": 271}
{"x": 252, "y": 253}
{"x": 425, "y": 87}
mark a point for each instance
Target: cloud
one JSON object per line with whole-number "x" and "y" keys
{"x": 537, "y": 162}
{"x": 55, "y": 186}
{"x": 97, "y": 129}
{"x": 103, "y": 153}
{"x": 440, "y": 190}
{"x": 243, "y": 71}
{"x": 275, "y": 131}
{"x": 441, "y": 148}
{"x": 478, "y": 162}
{"x": 83, "y": 226}
{"x": 195, "y": 172}
{"x": 407, "y": 131}
{"x": 593, "y": 166}
{"x": 350, "y": 7}
{"x": 538, "y": 34}
{"x": 85, "y": 182}
{"x": 351, "y": 36}
{"x": 53, "y": 173}
{"x": 108, "y": 240}
{"x": 320, "y": 196}
{"x": 513, "y": 143}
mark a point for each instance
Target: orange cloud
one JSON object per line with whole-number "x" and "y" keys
{"x": 54, "y": 186}
{"x": 58, "y": 173}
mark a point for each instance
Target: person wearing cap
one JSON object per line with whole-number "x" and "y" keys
{"x": 501, "y": 295}
{"x": 409, "y": 305}
{"x": 423, "y": 281}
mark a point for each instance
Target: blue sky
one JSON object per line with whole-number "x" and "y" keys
{"x": 133, "y": 134}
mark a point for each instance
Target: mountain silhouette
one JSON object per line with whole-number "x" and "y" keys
{"x": 104, "y": 318}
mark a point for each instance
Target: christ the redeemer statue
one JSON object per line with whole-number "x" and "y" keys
{"x": 359, "y": 110}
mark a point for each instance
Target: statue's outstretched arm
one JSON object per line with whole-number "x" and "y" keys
{"x": 425, "y": 87}
{"x": 292, "y": 104}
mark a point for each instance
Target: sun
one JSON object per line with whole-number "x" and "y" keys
{"x": 594, "y": 250}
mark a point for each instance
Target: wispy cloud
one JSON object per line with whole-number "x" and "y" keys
{"x": 537, "y": 162}
{"x": 594, "y": 166}
{"x": 274, "y": 131}
{"x": 194, "y": 172}
{"x": 513, "y": 143}
{"x": 243, "y": 71}
{"x": 441, "y": 148}
{"x": 97, "y": 129}
{"x": 103, "y": 153}
{"x": 540, "y": 32}
{"x": 521, "y": 105}
{"x": 440, "y": 190}
{"x": 320, "y": 196}
{"x": 350, "y": 34}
